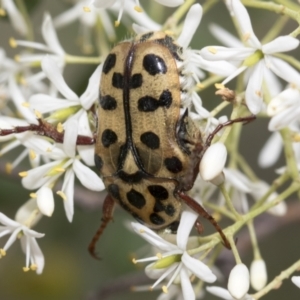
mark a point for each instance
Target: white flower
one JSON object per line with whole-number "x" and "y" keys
{"x": 213, "y": 162}
{"x": 255, "y": 56}
{"x": 239, "y": 281}
{"x": 258, "y": 274}
{"x": 175, "y": 261}
{"x": 296, "y": 281}
{"x": 34, "y": 256}
{"x": 284, "y": 109}
{"x": 224, "y": 294}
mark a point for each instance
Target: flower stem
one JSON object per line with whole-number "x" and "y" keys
{"x": 252, "y": 233}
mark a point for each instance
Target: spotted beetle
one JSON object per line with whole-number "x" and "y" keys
{"x": 147, "y": 148}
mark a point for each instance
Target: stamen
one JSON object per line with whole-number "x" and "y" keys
{"x": 33, "y": 195}
{"x": 32, "y": 154}
{"x": 2, "y": 12}
{"x": 2, "y": 252}
{"x": 62, "y": 195}
{"x": 23, "y": 174}
{"x": 33, "y": 267}
{"x": 219, "y": 86}
{"x": 8, "y": 168}
{"x": 25, "y": 104}
{"x": 246, "y": 36}
{"x": 165, "y": 289}
{"x": 60, "y": 169}
{"x": 26, "y": 269}
{"x": 12, "y": 42}
{"x": 138, "y": 9}
{"x": 86, "y": 9}
{"x": 37, "y": 114}
{"x": 212, "y": 50}
{"x": 60, "y": 127}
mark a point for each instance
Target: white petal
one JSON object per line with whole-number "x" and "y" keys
{"x": 213, "y": 161}
{"x": 15, "y": 17}
{"x": 283, "y": 70}
{"x": 238, "y": 282}
{"x": 171, "y": 3}
{"x": 45, "y": 201}
{"x": 223, "y": 53}
{"x": 238, "y": 180}
{"x": 198, "y": 268}
{"x": 258, "y": 274}
{"x": 70, "y": 137}
{"x": 271, "y": 151}
{"x": 244, "y": 22}
{"x": 219, "y": 292}
{"x": 278, "y": 210}
{"x": 152, "y": 238}
{"x": 191, "y": 23}
{"x": 186, "y": 286}
{"x": 139, "y": 29}
{"x": 88, "y": 98}
{"x": 52, "y": 71}
{"x": 296, "y": 281}
{"x": 19, "y": 100}
{"x": 25, "y": 211}
{"x": 225, "y": 36}
{"x": 37, "y": 255}
{"x": 187, "y": 221}
{"x": 68, "y": 189}
{"x": 68, "y": 16}
{"x": 104, "y": 3}
{"x": 254, "y": 89}
{"x": 272, "y": 82}
{"x": 87, "y": 177}
{"x": 280, "y": 44}
{"x": 7, "y": 221}
{"x": 50, "y": 37}
{"x": 45, "y": 103}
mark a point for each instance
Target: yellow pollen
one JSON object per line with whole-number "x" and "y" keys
{"x": 38, "y": 114}
{"x": 23, "y": 82}
{"x": 212, "y": 50}
{"x": 12, "y": 42}
{"x": 62, "y": 195}
{"x": 293, "y": 85}
{"x": 165, "y": 289}
{"x": 142, "y": 231}
{"x": 23, "y": 174}
{"x": 134, "y": 261}
{"x": 169, "y": 32}
{"x": 8, "y": 168}
{"x": 59, "y": 127}
{"x": 59, "y": 169}
{"x": 246, "y": 36}
{"x": 86, "y": 9}
{"x": 25, "y": 104}
{"x": 296, "y": 138}
{"x": 138, "y": 9}
{"x": 2, "y": 12}
{"x": 219, "y": 86}
{"x": 158, "y": 255}
{"x": 117, "y": 23}
{"x": 33, "y": 267}
{"x": 200, "y": 85}
{"x": 2, "y": 252}
{"x": 48, "y": 150}
{"x": 26, "y": 269}
{"x": 217, "y": 216}
{"x": 33, "y": 195}
{"x": 258, "y": 93}
{"x": 32, "y": 154}
{"x": 17, "y": 58}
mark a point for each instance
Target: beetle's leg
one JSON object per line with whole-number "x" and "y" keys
{"x": 210, "y": 137}
{"x": 199, "y": 226}
{"x": 107, "y": 210}
{"x": 46, "y": 129}
{"x": 202, "y": 212}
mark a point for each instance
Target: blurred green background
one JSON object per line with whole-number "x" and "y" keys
{"x": 70, "y": 272}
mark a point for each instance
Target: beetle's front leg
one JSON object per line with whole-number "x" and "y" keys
{"x": 49, "y": 130}
{"x": 107, "y": 210}
{"x": 194, "y": 205}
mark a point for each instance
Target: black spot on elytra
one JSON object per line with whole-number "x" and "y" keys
{"x": 146, "y": 36}
{"x": 148, "y": 103}
{"x": 131, "y": 178}
{"x": 154, "y": 64}
{"x": 150, "y": 139}
{"x": 108, "y": 102}
{"x": 170, "y": 210}
{"x": 109, "y": 63}
{"x": 165, "y": 99}
{"x": 118, "y": 80}
{"x": 108, "y": 137}
{"x": 174, "y": 226}
{"x": 136, "y": 199}
{"x": 136, "y": 81}
{"x": 98, "y": 161}
{"x": 173, "y": 164}
{"x": 156, "y": 219}
{"x": 158, "y": 192}
{"x": 114, "y": 191}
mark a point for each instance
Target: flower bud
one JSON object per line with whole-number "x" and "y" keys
{"x": 296, "y": 281}
{"x": 213, "y": 161}
{"x": 238, "y": 282}
{"x": 258, "y": 274}
{"x": 45, "y": 201}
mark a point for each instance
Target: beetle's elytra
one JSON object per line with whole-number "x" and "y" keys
{"x": 146, "y": 150}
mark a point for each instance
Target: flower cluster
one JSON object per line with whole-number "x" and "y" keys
{"x": 52, "y": 131}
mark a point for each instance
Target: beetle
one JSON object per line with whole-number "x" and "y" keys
{"x": 147, "y": 148}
